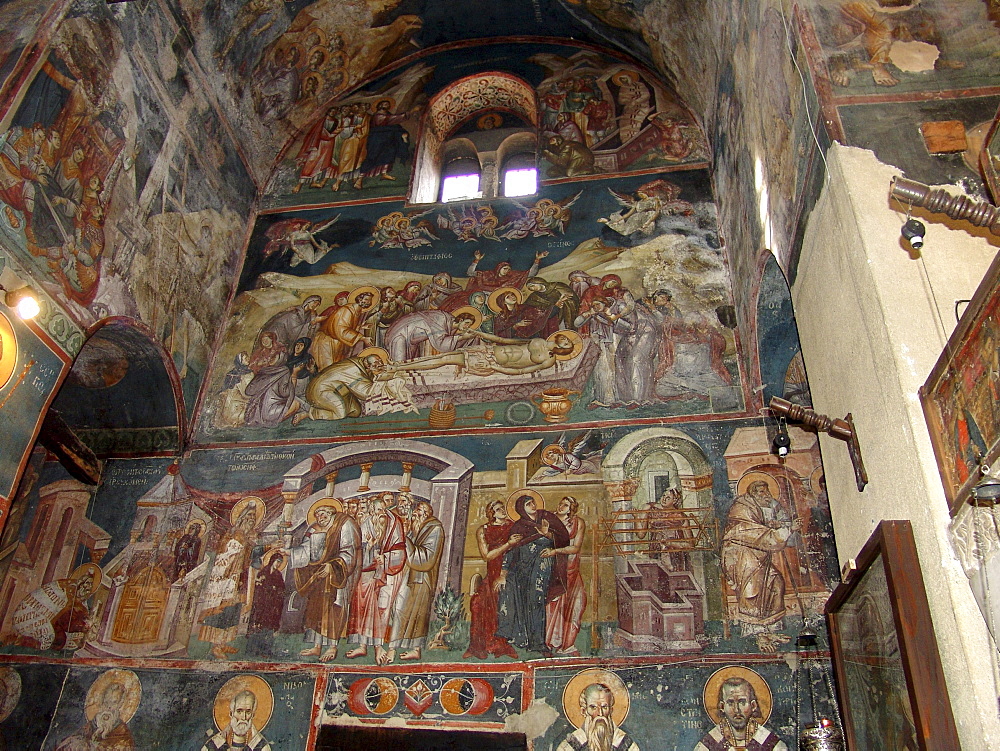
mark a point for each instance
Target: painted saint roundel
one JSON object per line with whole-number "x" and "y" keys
{"x": 461, "y": 696}
{"x": 372, "y": 696}
{"x": 8, "y": 350}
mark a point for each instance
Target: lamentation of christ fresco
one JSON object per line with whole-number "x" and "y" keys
{"x": 507, "y": 356}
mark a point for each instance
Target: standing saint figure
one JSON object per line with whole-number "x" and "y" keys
{"x": 758, "y": 527}
{"x": 527, "y": 579}
{"x": 268, "y": 604}
{"x": 187, "y": 549}
{"x": 424, "y": 545}
{"x": 227, "y": 593}
{"x": 345, "y": 331}
{"x": 494, "y": 540}
{"x": 383, "y": 557}
{"x": 564, "y": 612}
{"x": 731, "y": 700}
{"x": 326, "y": 568}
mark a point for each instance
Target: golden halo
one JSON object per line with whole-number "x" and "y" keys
{"x": 376, "y": 296}
{"x": 315, "y": 77}
{"x": 474, "y": 312}
{"x": 250, "y": 500}
{"x": 8, "y": 350}
{"x": 88, "y": 569}
{"x": 512, "y": 501}
{"x": 312, "y": 52}
{"x": 377, "y": 351}
{"x": 11, "y": 681}
{"x": 552, "y": 452}
{"x": 334, "y": 503}
{"x": 270, "y": 555}
{"x": 625, "y": 76}
{"x": 815, "y": 476}
{"x": 389, "y": 99}
{"x": 322, "y": 39}
{"x": 130, "y": 701}
{"x": 198, "y": 523}
{"x": 751, "y": 477}
{"x": 711, "y": 694}
{"x": 573, "y": 337}
{"x": 580, "y": 681}
{"x": 493, "y": 301}
{"x": 489, "y": 121}
{"x": 253, "y": 683}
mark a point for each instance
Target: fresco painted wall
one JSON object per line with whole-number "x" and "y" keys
{"x": 31, "y": 368}
{"x": 209, "y": 560}
{"x": 111, "y": 199}
{"x": 390, "y": 282}
{"x": 476, "y": 469}
{"x": 621, "y": 116}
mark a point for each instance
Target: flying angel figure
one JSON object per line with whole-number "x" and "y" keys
{"x": 299, "y": 236}
{"x": 639, "y": 214}
{"x": 474, "y": 222}
{"x": 547, "y": 218}
{"x": 579, "y": 456}
{"x": 398, "y": 230}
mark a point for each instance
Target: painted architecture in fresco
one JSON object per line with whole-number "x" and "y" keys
{"x": 497, "y": 464}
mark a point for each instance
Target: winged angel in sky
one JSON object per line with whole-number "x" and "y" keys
{"x": 299, "y": 236}
{"x": 545, "y": 218}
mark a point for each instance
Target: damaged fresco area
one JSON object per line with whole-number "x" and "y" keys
{"x": 109, "y": 200}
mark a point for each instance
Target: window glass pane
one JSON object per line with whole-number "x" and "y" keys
{"x": 520, "y": 182}
{"x": 460, "y": 187}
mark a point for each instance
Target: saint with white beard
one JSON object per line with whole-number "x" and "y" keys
{"x": 596, "y": 716}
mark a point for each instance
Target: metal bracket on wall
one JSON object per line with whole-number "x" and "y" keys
{"x": 842, "y": 429}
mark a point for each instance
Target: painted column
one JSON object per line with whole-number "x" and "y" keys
{"x": 404, "y": 483}
{"x": 366, "y": 476}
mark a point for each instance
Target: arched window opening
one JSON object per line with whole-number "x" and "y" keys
{"x": 487, "y": 118}
{"x": 520, "y": 175}
{"x": 460, "y": 180}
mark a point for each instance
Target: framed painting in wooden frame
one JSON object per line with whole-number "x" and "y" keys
{"x": 961, "y": 397}
{"x": 889, "y": 677}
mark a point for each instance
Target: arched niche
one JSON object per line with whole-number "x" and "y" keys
{"x": 455, "y": 105}
{"x": 123, "y": 394}
{"x": 448, "y": 491}
{"x": 626, "y": 459}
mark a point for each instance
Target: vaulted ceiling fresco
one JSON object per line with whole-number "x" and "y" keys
{"x": 458, "y": 465}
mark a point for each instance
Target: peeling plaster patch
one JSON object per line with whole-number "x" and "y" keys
{"x": 792, "y": 660}
{"x": 534, "y": 722}
{"x": 910, "y": 363}
{"x": 914, "y": 57}
{"x": 344, "y": 720}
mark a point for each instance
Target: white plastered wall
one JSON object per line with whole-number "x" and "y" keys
{"x": 872, "y": 322}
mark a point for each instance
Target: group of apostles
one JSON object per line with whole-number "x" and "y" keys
{"x": 365, "y": 569}
{"x": 310, "y": 362}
